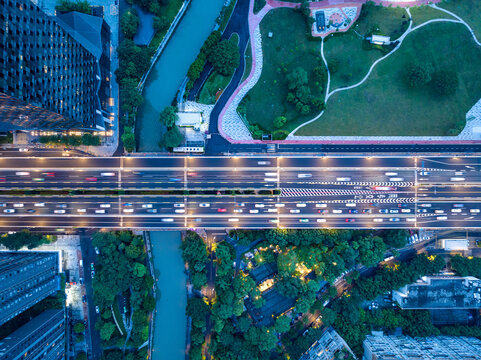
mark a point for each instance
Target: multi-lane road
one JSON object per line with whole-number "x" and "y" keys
{"x": 247, "y": 192}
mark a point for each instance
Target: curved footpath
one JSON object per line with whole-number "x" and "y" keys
{"x": 224, "y": 117}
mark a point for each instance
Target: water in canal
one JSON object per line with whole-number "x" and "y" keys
{"x": 170, "y": 320}
{"x": 171, "y": 68}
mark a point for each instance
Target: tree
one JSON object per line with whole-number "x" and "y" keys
{"x": 160, "y": 23}
{"x": 139, "y": 269}
{"x": 445, "y": 82}
{"x": 282, "y": 324}
{"x": 106, "y": 331}
{"x": 131, "y": 99}
{"x": 287, "y": 262}
{"x": 297, "y": 78}
{"x": 19, "y": 239}
{"x": 79, "y": 328}
{"x": 169, "y": 116}
{"x": 82, "y": 6}
{"x": 418, "y": 74}
{"x": 371, "y": 249}
{"x": 328, "y": 316}
{"x": 172, "y": 138}
{"x": 225, "y": 57}
{"x": 280, "y": 121}
{"x": 197, "y": 309}
{"x": 129, "y": 23}
{"x": 395, "y": 238}
{"x": 128, "y": 139}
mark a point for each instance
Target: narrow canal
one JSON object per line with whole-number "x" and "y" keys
{"x": 170, "y": 320}
{"x": 171, "y": 68}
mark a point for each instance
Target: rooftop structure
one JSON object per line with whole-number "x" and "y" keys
{"x": 61, "y": 64}
{"x": 26, "y": 278}
{"x": 190, "y": 119}
{"x": 42, "y": 338}
{"x": 455, "y": 244}
{"x": 327, "y": 347}
{"x": 440, "y": 293}
{"x": 384, "y": 347}
{"x": 380, "y": 40}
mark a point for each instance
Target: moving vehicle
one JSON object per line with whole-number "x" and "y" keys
{"x": 439, "y": 211}
{"x": 238, "y": 210}
{"x": 233, "y": 219}
{"x": 128, "y": 204}
{"x": 406, "y": 210}
{"x": 22, "y": 173}
{"x": 254, "y": 211}
{"x": 179, "y": 205}
{"x": 271, "y": 210}
{"x": 259, "y": 205}
{"x": 280, "y": 205}
{"x": 335, "y": 211}
{"x": 204, "y": 205}
{"x": 128, "y": 211}
{"x": 97, "y": 310}
{"x": 39, "y": 204}
{"x": 146, "y": 206}
{"x": 18, "y": 205}
{"x": 321, "y": 220}
{"x": 396, "y": 179}
{"x": 303, "y": 220}
{"x": 167, "y": 220}
{"x": 441, "y": 218}
{"x": 82, "y": 211}
{"x": 100, "y": 211}
{"x": 62, "y": 206}
{"x": 457, "y": 179}
{"x": 458, "y": 205}
{"x": 153, "y": 211}
{"x": 300, "y": 176}
{"x": 31, "y": 211}
{"x": 323, "y": 211}
{"x": 222, "y": 210}
{"x": 321, "y": 205}
{"x": 301, "y": 205}
{"x": 9, "y": 211}
{"x": 59, "y": 211}
{"x": 383, "y": 211}
{"x": 343, "y": 179}
{"x": 393, "y": 211}
{"x": 474, "y": 211}
{"x": 91, "y": 179}
{"x": 3, "y": 204}
{"x": 177, "y": 211}
{"x": 353, "y": 211}
{"x": 350, "y": 220}
{"x": 240, "y": 204}
{"x": 425, "y": 205}
{"x": 367, "y": 211}
{"x": 456, "y": 210}
{"x": 391, "y": 174}
{"x": 384, "y": 188}
{"x": 263, "y": 163}
{"x": 378, "y": 220}
{"x": 350, "y": 204}
{"x": 294, "y": 211}
{"x": 38, "y": 179}
{"x": 107, "y": 174}
{"x": 105, "y": 206}
{"x": 394, "y": 219}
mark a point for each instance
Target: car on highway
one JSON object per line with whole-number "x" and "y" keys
{"x": 343, "y": 179}
{"x": 383, "y": 211}
{"x": 146, "y": 206}
{"x": 59, "y": 211}
{"x": 128, "y": 211}
{"x": 3, "y": 204}
{"x": 456, "y": 210}
{"x": 422, "y": 211}
{"x": 336, "y": 211}
{"x": 321, "y": 205}
{"x": 241, "y": 204}
{"x": 238, "y": 210}
{"x": 221, "y": 210}
{"x": 294, "y": 211}
{"x": 403, "y": 205}
{"x": 100, "y": 211}
{"x": 175, "y": 179}
{"x": 39, "y": 204}
{"x": 49, "y": 174}
{"x": 350, "y": 204}
{"x": 303, "y": 220}
{"x": 38, "y": 179}
{"x": 353, "y": 211}
{"x": 391, "y": 174}
{"x": 154, "y": 211}
{"x": 323, "y": 211}
{"x": 321, "y": 220}
{"x": 263, "y": 163}
{"x": 301, "y": 205}
{"x": 167, "y": 220}
{"x": 179, "y": 205}
{"x": 93, "y": 179}
{"x": 97, "y": 250}
{"x": 279, "y": 205}
{"x": 107, "y": 174}
{"x": 393, "y": 211}
{"x": 204, "y": 205}
{"x": 406, "y": 211}
{"x": 441, "y": 218}
{"x": 9, "y": 211}
{"x": 350, "y": 220}
{"x": 177, "y": 211}
{"x": 259, "y": 205}
{"x": 31, "y": 211}
{"x": 274, "y": 221}
{"x": 458, "y": 205}
{"x": 272, "y": 210}
{"x": 22, "y": 173}
{"x": 301, "y": 176}
{"x": 81, "y": 211}
{"x": 366, "y": 211}
{"x": 2, "y": 179}
{"x": 233, "y": 219}
{"x": 105, "y": 206}
{"x": 97, "y": 310}
{"x": 128, "y": 204}
{"x": 474, "y": 211}
{"x": 18, "y": 205}
{"x": 439, "y": 211}
{"x": 425, "y": 205}
{"x": 378, "y": 220}
{"x": 254, "y": 211}
{"x": 394, "y": 219}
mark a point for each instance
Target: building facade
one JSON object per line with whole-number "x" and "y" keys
{"x": 26, "y": 278}
{"x": 384, "y": 347}
{"x": 54, "y": 63}
{"x": 42, "y": 338}
{"x": 330, "y": 346}
{"x": 440, "y": 292}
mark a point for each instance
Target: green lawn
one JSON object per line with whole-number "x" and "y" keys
{"x": 248, "y": 61}
{"x": 288, "y": 48}
{"x": 258, "y": 5}
{"x": 468, "y": 10}
{"x": 384, "y": 105}
{"x": 382, "y": 20}
{"x": 421, "y": 14}
{"x": 214, "y": 83}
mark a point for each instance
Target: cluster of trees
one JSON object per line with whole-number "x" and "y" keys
{"x": 70, "y": 140}
{"x": 198, "y": 311}
{"x": 128, "y": 139}
{"x": 353, "y": 323}
{"x": 172, "y": 137}
{"x": 441, "y": 82}
{"x": 299, "y": 92}
{"x": 121, "y": 269}
{"x": 466, "y": 266}
{"x": 153, "y": 6}
{"x": 139, "y": 354}
{"x": 65, "y": 6}
{"x": 24, "y": 238}
{"x": 194, "y": 253}
{"x": 129, "y": 23}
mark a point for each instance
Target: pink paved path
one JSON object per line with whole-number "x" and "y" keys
{"x": 255, "y": 19}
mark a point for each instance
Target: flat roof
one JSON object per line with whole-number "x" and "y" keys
{"x": 189, "y": 118}
{"x": 455, "y": 244}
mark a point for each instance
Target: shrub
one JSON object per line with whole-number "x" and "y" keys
{"x": 280, "y": 134}
{"x": 129, "y": 23}
{"x": 128, "y": 139}
{"x": 445, "y": 82}
{"x": 225, "y": 57}
{"x": 172, "y": 138}
{"x": 280, "y": 121}
{"x": 418, "y": 75}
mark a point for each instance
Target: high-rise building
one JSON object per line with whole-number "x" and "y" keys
{"x": 61, "y": 64}
{"x": 440, "y": 292}
{"x": 392, "y": 347}
{"x": 329, "y": 346}
{"x": 42, "y": 338}
{"x": 26, "y": 278}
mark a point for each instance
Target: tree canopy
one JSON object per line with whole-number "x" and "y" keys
{"x": 225, "y": 57}
{"x": 20, "y": 239}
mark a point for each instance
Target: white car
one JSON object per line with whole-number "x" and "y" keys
{"x": 439, "y": 211}
{"x": 204, "y": 205}
{"x": 238, "y": 210}
{"x": 301, "y": 205}
{"x": 107, "y": 174}
{"x": 179, "y": 205}
{"x": 259, "y": 205}
{"x": 254, "y": 211}
{"x": 128, "y": 211}
{"x": 179, "y": 211}
{"x": 321, "y": 220}
{"x": 441, "y": 218}
{"x": 18, "y": 205}
{"x": 393, "y": 211}
{"x": 9, "y": 211}
{"x": 280, "y": 205}
{"x": 39, "y": 204}
{"x": 456, "y": 210}
{"x": 104, "y": 206}
{"x": 294, "y": 211}
{"x": 82, "y": 210}
{"x": 405, "y": 210}
{"x": 272, "y": 210}
{"x": 337, "y": 211}
{"x": 474, "y": 211}
{"x": 233, "y": 219}
{"x": 59, "y": 211}
{"x": 100, "y": 211}
{"x": 378, "y": 220}
{"x": 321, "y": 205}
{"x": 147, "y": 206}
{"x": 300, "y": 176}
{"x": 167, "y": 220}
{"x": 22, "y": 173}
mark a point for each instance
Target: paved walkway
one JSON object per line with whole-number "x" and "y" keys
{"x": 233, "y": 129}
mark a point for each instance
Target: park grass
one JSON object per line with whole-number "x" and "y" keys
{"x": 421, "y": 14}
{"x": 248, "y": 61}
{"x": 468, "y": 10}
{"x": 384, "y": 106}
{"x": 214, "y": 83}
{"x": 289, "y": 48}
{"x": 388, "y": 21}
{"x": 258, "y": 5}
